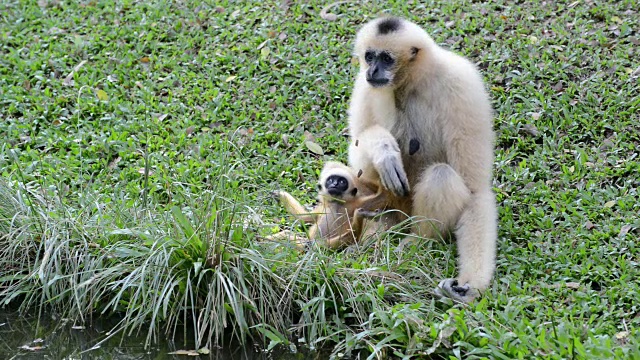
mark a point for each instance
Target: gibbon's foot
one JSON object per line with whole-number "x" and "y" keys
{"x": 304, "y": 245}
{"x": 275, "y": 194}
{"x": 450, "y": 288}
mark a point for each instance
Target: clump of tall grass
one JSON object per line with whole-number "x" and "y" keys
{"x": 377, "y": 298}
{"x": 157, "y": 269}
{"x": 165, "y": 268}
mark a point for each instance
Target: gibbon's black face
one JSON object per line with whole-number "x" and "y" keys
{"x": 337, "y": 185}
{"x": 381, "y": 67}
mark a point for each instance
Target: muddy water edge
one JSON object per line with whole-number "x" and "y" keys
{"x": 27, "y": 336}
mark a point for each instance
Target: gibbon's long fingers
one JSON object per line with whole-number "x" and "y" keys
{"x": 368, "y": 214}
{"x": 392, "y": 174}
{"x": 295, "y": 208}
{"x": 404, "y": 181}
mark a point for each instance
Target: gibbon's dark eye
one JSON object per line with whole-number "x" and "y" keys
{"x": 386, "y": 58}
{"x": 368, "y": 56}
{"x": 319, "y": 186}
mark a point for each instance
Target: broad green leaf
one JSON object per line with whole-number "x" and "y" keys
{"x": 102, "y": 95}
{"x": 314, "y": 148}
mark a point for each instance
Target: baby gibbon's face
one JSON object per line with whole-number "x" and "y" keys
{"x": 337, "y": 186}
{"x": 337, "y": 182}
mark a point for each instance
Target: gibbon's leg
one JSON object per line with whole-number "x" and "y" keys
{"x": 476, "y": 238}
{"x": 446, "y": 203}
{"x": 376, "y": 147}
{"x": 439, "y": 198}
{"x": 294, "y": 207}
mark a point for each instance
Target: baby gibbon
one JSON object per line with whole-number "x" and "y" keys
{"x": 420, "y": 122}
{"x": 345, "y": 205}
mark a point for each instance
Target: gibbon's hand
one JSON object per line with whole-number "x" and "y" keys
{"x": 392, "y": 174}
{"x": 367, "y": 214}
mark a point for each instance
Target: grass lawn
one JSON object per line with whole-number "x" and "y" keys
{"x": 141, "y": 140}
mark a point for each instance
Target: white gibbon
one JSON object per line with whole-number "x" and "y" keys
{"x": 420, "y": 121}
{"x": 345, "y": 205}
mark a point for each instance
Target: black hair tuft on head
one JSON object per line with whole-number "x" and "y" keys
{"x": 389, "y": 25}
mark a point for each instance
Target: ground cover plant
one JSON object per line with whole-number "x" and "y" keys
{"x": 141, "y": 141}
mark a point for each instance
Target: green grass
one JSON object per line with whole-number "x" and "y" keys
{"x": 139, "y": 185}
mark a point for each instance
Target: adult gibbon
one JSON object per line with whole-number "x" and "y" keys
{"x": 420, "y": 122}
{"x": 345, "y": 205}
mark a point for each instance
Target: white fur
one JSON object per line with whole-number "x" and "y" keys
{"x": 439, "y": 99}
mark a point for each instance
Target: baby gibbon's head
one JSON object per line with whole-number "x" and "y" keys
{"x": 389, "y": 49}
{"x": 337, "y": 182}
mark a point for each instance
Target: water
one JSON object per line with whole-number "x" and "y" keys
{"x": 23, "y": 337}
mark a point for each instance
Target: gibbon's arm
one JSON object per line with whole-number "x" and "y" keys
{"x": 352, "y": 233}
{"x": 356, "y": 227}
{"x": 375, "y": 145}
{"x": 373, "y": 203}
{"x": 295, "y": 208}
